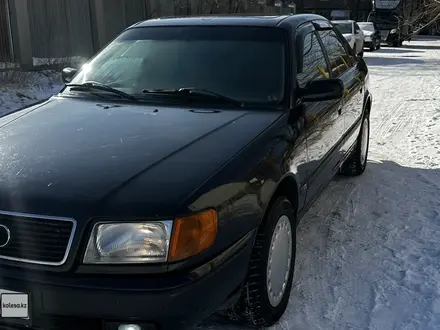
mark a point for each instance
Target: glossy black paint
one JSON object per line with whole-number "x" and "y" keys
{"x": 93, "y": 160}
{"x": 67, "y": 74}
{"x": 322, "y": 90}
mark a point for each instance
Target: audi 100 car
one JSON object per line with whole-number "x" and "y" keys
{"x": 166, "y": 180}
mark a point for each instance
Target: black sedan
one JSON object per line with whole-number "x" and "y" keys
{"x": 166, "y": 180}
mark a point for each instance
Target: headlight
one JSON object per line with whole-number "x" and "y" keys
{"x": 151, "y": 242}
{"x": 129, "y": 242}
{"x": 393, "y": 31}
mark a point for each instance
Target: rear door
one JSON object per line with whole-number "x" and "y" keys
{"x": 323, "y": 123}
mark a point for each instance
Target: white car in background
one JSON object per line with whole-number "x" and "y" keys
{"x": 353, "y": 33}
{"x": 373, "y": 38}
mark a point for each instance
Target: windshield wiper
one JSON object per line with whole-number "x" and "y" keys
{"x": 91, "y": 85}
{"x": 190, "y": 91}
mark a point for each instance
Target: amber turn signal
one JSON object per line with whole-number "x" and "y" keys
{"x": 193, "y": 234}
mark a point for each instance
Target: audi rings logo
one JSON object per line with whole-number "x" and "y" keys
{"x": 5, "y": 236}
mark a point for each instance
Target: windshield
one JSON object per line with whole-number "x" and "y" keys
{"x": 367, "y": 27}
{"x": 243, "y": 63}
{"x": 387, "y": 4}
{"x": 344, "y": 28}
{"x": 384, "y": 17}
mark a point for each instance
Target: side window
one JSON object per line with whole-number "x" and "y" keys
{"x": 314, "y": 64}
{"x": 340, "y": 61}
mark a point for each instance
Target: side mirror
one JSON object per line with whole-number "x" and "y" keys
{"x": 67, "y": 74}
{"x": 322, "y": 90}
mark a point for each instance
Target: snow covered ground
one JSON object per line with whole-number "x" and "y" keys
{"x": 368, "y": 251}
{"x": 18, "y": 89}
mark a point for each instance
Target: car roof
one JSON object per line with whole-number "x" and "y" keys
{"x": 292, "y": 21}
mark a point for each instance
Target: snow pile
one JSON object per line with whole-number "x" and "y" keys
{"x": 18, "y": 89}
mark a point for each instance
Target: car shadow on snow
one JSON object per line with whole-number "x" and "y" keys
{"x": 346, "y": 238}
{"x": 387, "y": 50}
{"x": 421, "y": 47}
{"x": 356, "y": 236}
{"x": 386, "y": 61}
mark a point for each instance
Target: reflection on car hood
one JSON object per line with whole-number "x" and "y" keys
{"x": 367, "y": 33}
{"x": 75, "y": 152}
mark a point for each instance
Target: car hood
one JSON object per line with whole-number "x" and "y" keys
{"x": 348, "y": 35}
{"x": 368, "y": 33}
{"x": 68, "y": 155}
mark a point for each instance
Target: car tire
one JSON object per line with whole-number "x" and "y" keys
{"x": 397, "y": 43}
{"x": 258, "y": 305}
{"x": 357, "y": 161}
{"x": 373, "y": 47}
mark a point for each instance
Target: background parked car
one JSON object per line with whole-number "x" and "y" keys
{"x": 353, "y": 33}
{"x": 372, "y": 35}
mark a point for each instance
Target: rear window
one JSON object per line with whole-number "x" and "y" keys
{"x": 344, "y": 28}
{"x": 367, "y": 27}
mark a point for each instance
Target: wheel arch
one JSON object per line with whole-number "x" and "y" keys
{"x": 367, "y": 104}
{"x": 287, "y": 186}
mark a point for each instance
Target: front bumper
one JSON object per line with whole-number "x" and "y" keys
{"x": 84, "y": 307}
{"x": 369, "y": 42}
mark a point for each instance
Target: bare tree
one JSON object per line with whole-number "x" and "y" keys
{"x": 418, "y": 15}
{"x": 430, "y": 14}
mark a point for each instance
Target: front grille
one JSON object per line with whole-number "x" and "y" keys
{"x": 35, "y": 239}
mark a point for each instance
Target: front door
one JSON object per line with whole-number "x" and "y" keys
{"x": 323, "y": 121}
{"x": 345, "y": 66}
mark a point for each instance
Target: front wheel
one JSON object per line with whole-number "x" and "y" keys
{"x": 357, "y": 161}
{"x": 267, "y": 289}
